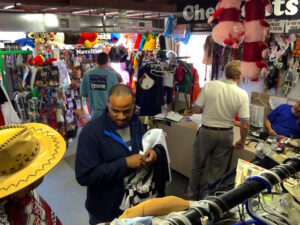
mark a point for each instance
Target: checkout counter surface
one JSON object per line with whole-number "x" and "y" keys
{"x": 180, "y": 140}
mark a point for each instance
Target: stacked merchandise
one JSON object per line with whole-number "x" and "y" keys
{"x": 77, "y": 65}
{"x": 45, "y": 82}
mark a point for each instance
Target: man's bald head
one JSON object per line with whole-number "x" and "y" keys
{"x": 120, "y": 90}
{"x": 120, "y": 104}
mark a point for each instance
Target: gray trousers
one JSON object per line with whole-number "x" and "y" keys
{"x": 214, "y": 144}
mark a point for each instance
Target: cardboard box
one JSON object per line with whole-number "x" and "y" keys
{"x": 182, "y": 101}
{"x": 180, "y": 139}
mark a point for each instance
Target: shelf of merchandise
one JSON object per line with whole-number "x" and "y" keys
{"x": 15, "y": 52}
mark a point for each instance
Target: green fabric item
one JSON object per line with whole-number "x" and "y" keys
{"x": 185, "y": 85}
{"x": 162, "y": 55}
{"x": 34, "y": 92}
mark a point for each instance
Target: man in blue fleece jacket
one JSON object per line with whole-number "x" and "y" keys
{"x": 108, "y": 150}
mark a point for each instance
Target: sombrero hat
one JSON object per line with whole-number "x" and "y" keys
{"x": 27, "y": 153}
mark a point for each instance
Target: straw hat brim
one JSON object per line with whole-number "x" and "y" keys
{"x": 52, "y": 149}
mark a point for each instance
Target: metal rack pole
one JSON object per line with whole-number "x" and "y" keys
{"x": 247, "y": 190}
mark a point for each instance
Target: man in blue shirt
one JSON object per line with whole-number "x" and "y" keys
{"x": 283, "y": 121}
{"x": 96, "y": 84}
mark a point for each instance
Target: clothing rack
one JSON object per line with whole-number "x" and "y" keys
{"x": 251, "y": 188}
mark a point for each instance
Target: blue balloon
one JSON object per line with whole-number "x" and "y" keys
{"x": 170, "y": 25}
{"x": 25, "y": 41}
{"x": 114, "y": 38}
{"x": 187, "y": 37}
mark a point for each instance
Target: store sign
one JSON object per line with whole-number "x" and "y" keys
{"x": 277, "y": 26}
{"x": 192, "y": 11}
{"x": 292, "y": 25}
{"x": 87, "y": 51}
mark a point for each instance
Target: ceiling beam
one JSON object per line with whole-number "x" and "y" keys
{"x": 40, "y": 3}
{"x": 157, "y": 6}
{"x": 127, "y": 5}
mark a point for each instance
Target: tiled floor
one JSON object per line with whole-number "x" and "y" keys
{"x": 67, "y": 197}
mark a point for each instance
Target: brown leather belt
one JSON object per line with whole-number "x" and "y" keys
{"x": 216, "y": 128}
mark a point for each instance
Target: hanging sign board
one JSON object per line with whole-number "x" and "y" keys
{"x": 292, "y": 25}
{"x": 87, "y": 51}
{"x": 194, "y": 11}
{"x": 277, "y": 26}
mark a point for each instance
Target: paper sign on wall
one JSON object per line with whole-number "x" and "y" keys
{"x": 292, "y": 25}
{"x": 277, "y": 26}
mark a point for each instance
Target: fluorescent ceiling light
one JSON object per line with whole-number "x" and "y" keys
{"x": 151, "y": 16}
{"x": 13, "y": 10}
{"x": 49, "y": 9}
{"x": 9, "y": 7}
{"x": 138, "y": 14}
{"x": 81, "y": 11}
{"x": 111, "y": 13}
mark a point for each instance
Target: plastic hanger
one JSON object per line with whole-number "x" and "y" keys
{"x": 258, "y": 98}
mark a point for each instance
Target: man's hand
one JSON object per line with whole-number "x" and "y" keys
{"x": 150, "y": 156}
{"x": 135, "y": 161}
{"x": 240, "y": 144}
{"x": 272, "y": 132}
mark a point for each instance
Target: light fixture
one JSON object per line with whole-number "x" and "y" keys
{"x": 139, "y": 14}
{"x": 81, "y": 11}
{"x": 154, "y": 15}
{"x": 109, "y": 14}
{"x": 49, "y": 9}
{"x": 9, "y": 7}
{"x": 12, "y": 10}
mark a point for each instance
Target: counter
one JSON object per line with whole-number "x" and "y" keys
{"x": 180, "y": 139}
